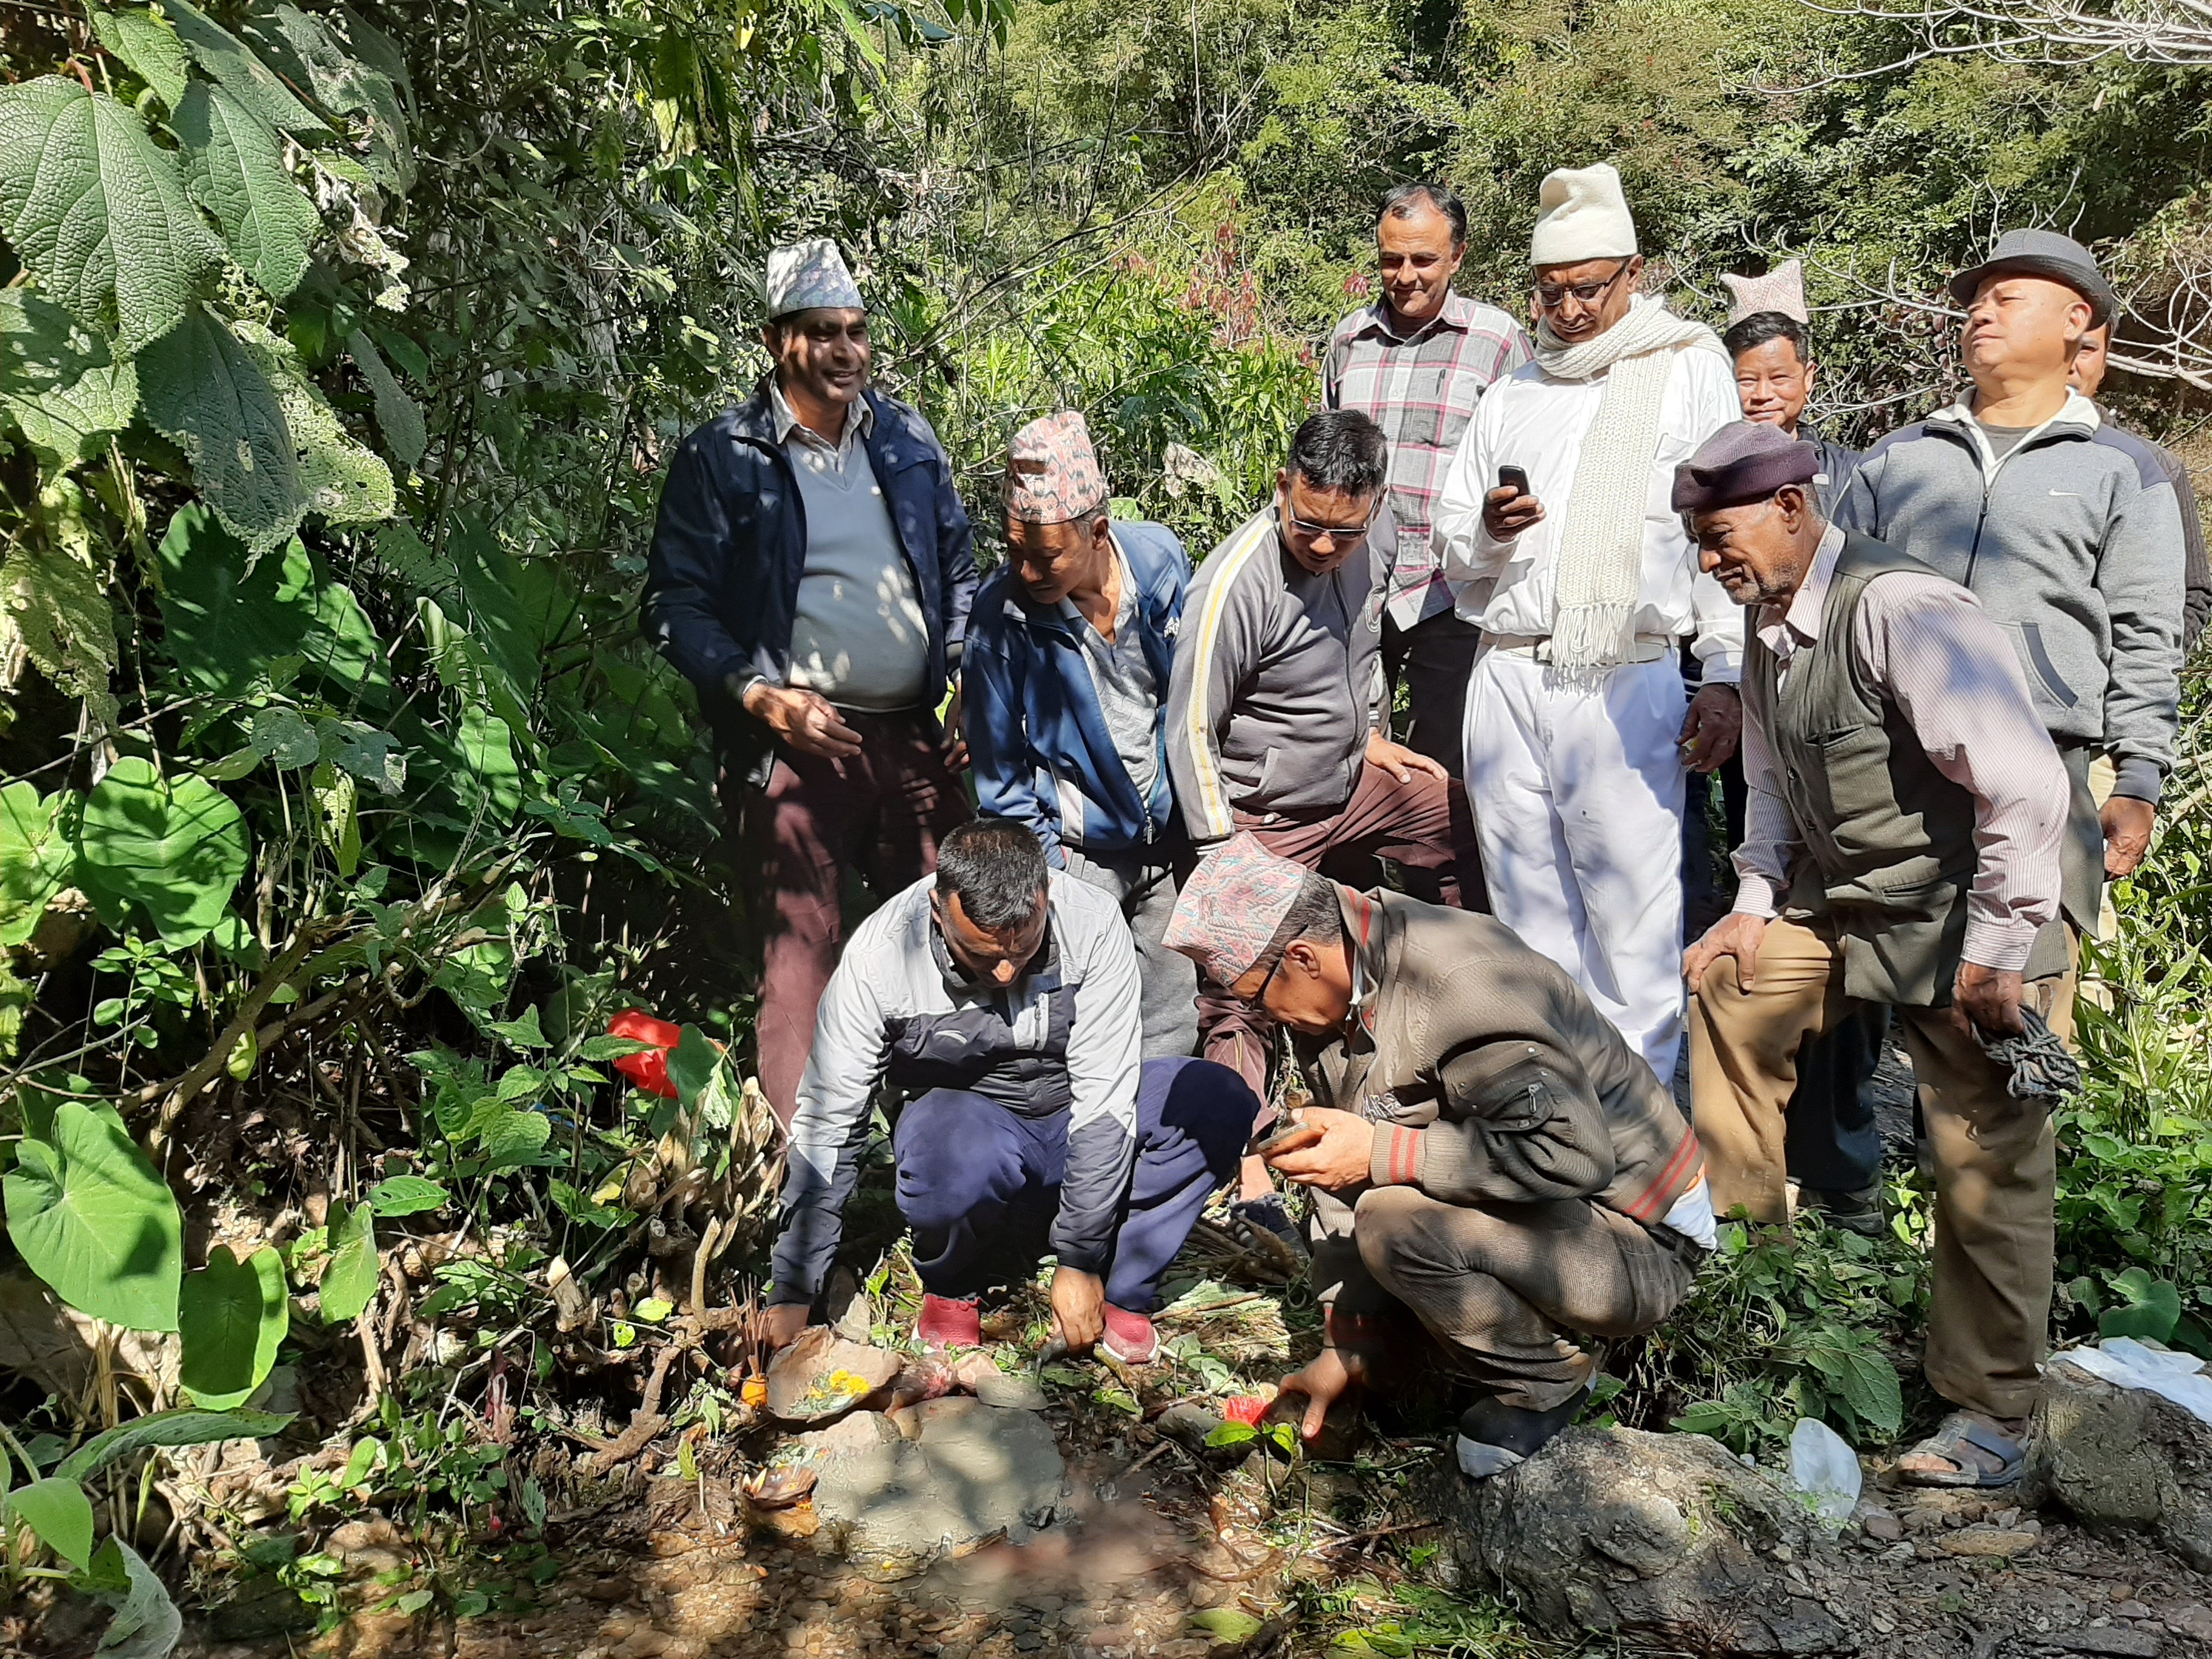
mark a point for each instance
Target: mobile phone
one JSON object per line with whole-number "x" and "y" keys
{"x": 1281, "y": 1133}
{"x": 1514, "y": 478}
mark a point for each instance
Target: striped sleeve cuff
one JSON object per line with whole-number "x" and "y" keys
{"x": 1396, "y": 1159}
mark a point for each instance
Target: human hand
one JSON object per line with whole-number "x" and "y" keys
{"x": 806, "y": 720}
{"x": 1078, "y": 1307}
{"x": 1336, "y": 1152}
{"x": 955, "y": 741}
{"x": 1329, "y": 1378}
{"x": 2127, "y": 824}
{"x": 1988, "y": 997}
{"x": 1506, "y": 512}
{"x": 1712, "y": 728}
{"x": 782, "y": 1324}
{"x": 1399, "y": 762}
{"x": 1737, "y": 934}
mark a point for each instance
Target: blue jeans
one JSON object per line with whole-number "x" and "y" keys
{"x": 980, "y": 1184}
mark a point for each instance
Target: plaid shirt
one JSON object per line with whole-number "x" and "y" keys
{"x": 1421, "y": 389}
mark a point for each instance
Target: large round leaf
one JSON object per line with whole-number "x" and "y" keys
{"x": 88, "y": 1212}
{"x": 169, "y": 849}
{"x": 232, "y": 1314}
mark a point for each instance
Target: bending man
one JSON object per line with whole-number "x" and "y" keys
{"x": 1902, "y": 848}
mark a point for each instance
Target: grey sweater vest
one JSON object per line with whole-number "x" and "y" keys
{"x": 1890, "y": 839}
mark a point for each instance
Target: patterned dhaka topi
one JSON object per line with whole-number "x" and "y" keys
{"x": 811, "y": 276}
{"x": 1232, "y": 908}
{"x": 1782, "y": 289}
{"x": 1053, "y": 473}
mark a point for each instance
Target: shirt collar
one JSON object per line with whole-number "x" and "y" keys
{"x": 1803, "y": 617}
{"x": 2076, "y": 411}
{"x": 786, "y": 421}
{"x": 1363, "y": 919}
{"x": 1458, "y": 313}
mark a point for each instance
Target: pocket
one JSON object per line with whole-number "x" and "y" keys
{"x": 2046, "y": 669}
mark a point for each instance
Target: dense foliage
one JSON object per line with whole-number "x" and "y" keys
{"x": 342, "y": 351}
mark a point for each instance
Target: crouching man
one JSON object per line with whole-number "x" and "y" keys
{"x": 1486, "y": 1150}
{"x": 1001, "y": 1000}
{"x": 1901, "y": 846}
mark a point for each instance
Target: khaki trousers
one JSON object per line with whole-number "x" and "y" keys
{"x": 1996, "y": 1160}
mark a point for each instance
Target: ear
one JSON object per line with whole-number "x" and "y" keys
{"x": 1282, "y": 481}
{"x": 1635, "y": 269}
{"x": 1301, "y": 954}
{"x": 1812, "y": 375}
{"x": 772, "y": 338}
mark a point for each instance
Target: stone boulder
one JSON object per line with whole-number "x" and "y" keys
{"x": 2125, "y": 1457}
{"x": 946, "y": 1474}
{"x": 1648, "y": 1537}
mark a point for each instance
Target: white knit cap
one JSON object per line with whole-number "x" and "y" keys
{"x": 1582, "y": 215}
{"x": 810, "y": 276}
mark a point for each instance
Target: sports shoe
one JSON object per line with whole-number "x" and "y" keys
{"x": 1129, "y": 1337}
{"x": 1857, "y": 1212}
{"x": 1494, "y": 1436}
{"x": 946, "y": 1323}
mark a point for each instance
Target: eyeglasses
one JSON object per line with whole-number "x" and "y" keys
{"x": 1342, "y": 533}
{"x": 1551, "y": 296}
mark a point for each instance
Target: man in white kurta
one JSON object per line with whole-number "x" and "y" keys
{"x": 1585, "y": 587}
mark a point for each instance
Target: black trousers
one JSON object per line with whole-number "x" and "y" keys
{"x": 1434, "y": 659}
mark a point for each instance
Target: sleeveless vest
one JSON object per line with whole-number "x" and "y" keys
{"x": 1890, "y": 856}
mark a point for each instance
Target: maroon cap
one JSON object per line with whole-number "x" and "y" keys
{"x": 1744, "y": 461}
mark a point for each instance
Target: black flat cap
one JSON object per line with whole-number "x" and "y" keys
{"x": 2043, "y": 253}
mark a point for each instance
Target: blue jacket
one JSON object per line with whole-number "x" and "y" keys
{"x": 1029, "y": 708}
{"x": 730, "y": 545}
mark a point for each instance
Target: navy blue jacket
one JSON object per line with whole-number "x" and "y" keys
{"x": 730, "y": 545}
{"x": 1029, "y": 707}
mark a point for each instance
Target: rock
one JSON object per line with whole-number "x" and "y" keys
{"x": 1987, "y": 1541}
{"x": 1021, "y": 1393}
{"x": 2132, "y": 1610}
{"x": 1661, "y": 1536}
{"x": 2196, "y": 1619}
{"x": 2125, "y": 1644}
{"x": 2124, "y": 1458}
{"x": 821, "y": 1376}
{"x": 1878, "y": 1522}
{"x": 961, "y": 1472}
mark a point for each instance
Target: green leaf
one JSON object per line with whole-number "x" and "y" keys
{"x": 514, "y": 1138}
{"x": 57, "y": 1511}
{"x": 235, "y": 168}
{"x": 97, "y": 212}
{"x": 1226, "y": 1623}
{"x": 524, "y": 1033}
{"x": 691, "y": 1063}
{"x": 147, "y": 1625}
{"x": 149, "y": 46}
{"x": 406, "y": 1194}
{"x": 398, "y": 415}
{"x": 232, "y": 1315}
{"x": 264, "y": 447}
{"x": 1232, "y": 1434}
{"x": 58, "y": 381}
{"x": 92, "y": 1218}
{"x": 238, "y": 71}
{"x": 2151, "y": 1307}
{"x": 284, "y": 735}
{"x": 106, "y": 1573}
{"x": 1869, "y": 1386}
{"x": 34, "y": 859}
{"x": 170, "y": 849}
{"x": 349, "y": 1281}
{"x": 227, "y": 626}
{"x": 345, "y": 83}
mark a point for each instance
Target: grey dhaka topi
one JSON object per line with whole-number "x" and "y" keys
{"x": 2043, "y": 253}
{"x": 1744, "y": 461}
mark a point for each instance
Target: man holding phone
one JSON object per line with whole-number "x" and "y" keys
{"x": 1486, "y": 1153}
{"x": 1553, "y": 524}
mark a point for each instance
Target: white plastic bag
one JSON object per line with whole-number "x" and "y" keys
{"x": 1824, "y": 1466}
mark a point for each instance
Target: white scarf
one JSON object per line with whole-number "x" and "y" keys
{"x": 1601, "y": 545}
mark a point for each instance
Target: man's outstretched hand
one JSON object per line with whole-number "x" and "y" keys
{"x": 1078, "y": 1307}
{"x": 807, "y": 721}
{"x": 782, "y": 1323}
{"x": 1736, "y": 935}
{"x": 1399, "y": 762}
{"x": 1329, "y": 1379}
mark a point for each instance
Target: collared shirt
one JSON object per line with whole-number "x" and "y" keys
{"x": 859, "y": 636}
{"x": 1539, "y": 423}
{"x": 1421, "y": 389}
{"x": 1128, "y": 699}
{"x": 1926, "y": 645}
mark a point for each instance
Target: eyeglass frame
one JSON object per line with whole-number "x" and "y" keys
{"x": 1597, "y": 291}
{"x": 1350, "y": 534}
